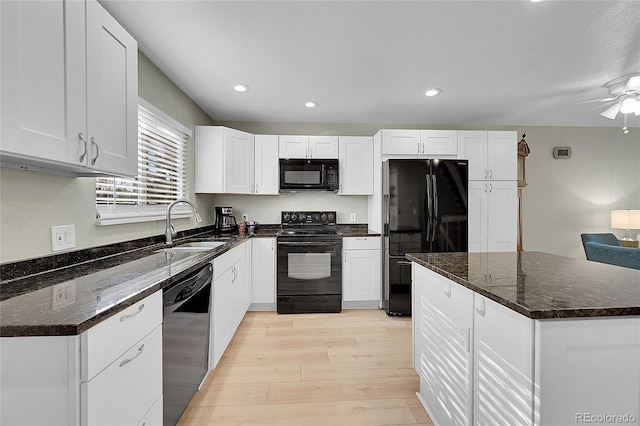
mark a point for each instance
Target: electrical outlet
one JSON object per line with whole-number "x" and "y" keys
{"x": 352, "y": 217}
{"x": 64, "y": 294}
{"x": 245, "y": 217}
{"x": 63, "y": 237}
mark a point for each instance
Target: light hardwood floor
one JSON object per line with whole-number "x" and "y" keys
{"x": 352, "y": 368}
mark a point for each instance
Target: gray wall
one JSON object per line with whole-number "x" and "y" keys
{"x": 563, "y": 199}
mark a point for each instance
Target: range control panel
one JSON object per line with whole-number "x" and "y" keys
{"x": 295, "y": 218}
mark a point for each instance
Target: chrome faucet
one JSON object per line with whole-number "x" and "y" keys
{"x": 169, "y": 231}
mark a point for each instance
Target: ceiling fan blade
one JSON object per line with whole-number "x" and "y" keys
{"x": 597, "y": 100}
{"x": 612, "y": 111}
{"x": 633, "y": 84}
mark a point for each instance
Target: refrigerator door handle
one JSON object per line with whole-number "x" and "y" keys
{"x": 428, "y": 207}
{"x": 434, "y": 194}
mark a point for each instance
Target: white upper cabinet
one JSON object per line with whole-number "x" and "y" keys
{"x": 112, "y": 104}
{"x": 224, "y": 160}
{"x": 69, "y": 89}
{"x": 397, "y": 141}
{"x": 308, "y": 146}
{"x": 266, "y": 165}
{"x": 356, "y": 165}
{"x": 439, "y": 142}
{"x": 492, "y": 155}
{"x": 493, "y": 214}
{"x": 428, "y": 143}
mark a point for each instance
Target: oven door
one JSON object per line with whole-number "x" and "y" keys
{"x": 309, "y": 275}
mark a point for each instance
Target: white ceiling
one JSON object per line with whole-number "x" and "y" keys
{"x": 498, "y": 62}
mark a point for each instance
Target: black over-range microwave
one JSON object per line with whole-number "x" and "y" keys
{"x": 309, "y": 175}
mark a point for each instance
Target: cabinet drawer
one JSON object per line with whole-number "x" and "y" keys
{"x": 154, "y": 415}
{"x": 361, "y": 243}
{"x": 227, "y": 260}
{"x": 123, "y": 393}
{"x": 106, "y": 341}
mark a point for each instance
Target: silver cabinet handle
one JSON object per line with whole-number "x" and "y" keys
{"x": 256, "y": 187}
{"x": 126, "y": 317}
{"x": 418, "y": 147}
{"x": 93, "y": 160}
{"x": 490, "y": 187}
{"x": 84, "y": 154}
{"x": 447, "y": 291}
{"x": 481, "y": 309}
{"x": 127, "y": 361}
{"x": 486, "y": 173}
{"x": 490, "y": 174}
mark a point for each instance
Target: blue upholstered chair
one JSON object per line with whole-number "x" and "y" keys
{"x": 605, "y": 248}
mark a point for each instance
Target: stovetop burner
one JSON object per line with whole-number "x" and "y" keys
{"x": 309, "y": 224}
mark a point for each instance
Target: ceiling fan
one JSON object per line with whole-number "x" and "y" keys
{"x": 625, "y": 96}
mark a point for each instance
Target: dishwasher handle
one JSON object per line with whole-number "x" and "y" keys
{"x": 178, "y": 293}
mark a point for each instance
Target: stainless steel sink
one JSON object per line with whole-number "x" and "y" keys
{"x": 194, "y": 246}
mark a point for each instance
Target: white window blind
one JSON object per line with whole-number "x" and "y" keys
{"x": 162, "y": 173}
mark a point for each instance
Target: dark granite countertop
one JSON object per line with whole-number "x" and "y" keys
{"x": 541, "y": 285}
{"x": 357, "y": 230}
{"x": 106, "y": 280}
{"x": 103, "y": 287}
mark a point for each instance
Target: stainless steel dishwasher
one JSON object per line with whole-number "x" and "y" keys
{"x": 185, "y": 340}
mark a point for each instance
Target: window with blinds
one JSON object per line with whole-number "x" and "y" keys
{"x": 162, "y": 172}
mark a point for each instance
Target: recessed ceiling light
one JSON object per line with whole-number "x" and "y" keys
{"x": 241, "y": 88}
{"x": 433, "y": 92}
{"x": 311, "y": 104}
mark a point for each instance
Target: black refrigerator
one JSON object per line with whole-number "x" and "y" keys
{"x": 424, "y": 210}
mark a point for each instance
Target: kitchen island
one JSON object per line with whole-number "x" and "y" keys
{"x": 526, "y": 338}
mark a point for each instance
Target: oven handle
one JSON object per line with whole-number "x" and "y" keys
{"x": 308, "y": 244}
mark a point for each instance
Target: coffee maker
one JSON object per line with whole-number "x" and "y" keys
{"x": 225, "y": 222}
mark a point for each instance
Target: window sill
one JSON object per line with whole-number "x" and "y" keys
{"x": 110, "y": 215}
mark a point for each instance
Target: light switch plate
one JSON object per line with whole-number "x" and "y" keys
{"x": 63, "y": 237}
{"x": 352, "y": 217}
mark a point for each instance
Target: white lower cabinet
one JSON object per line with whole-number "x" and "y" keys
{"x": 263, "y": 274}
{"x": 109, "y": 375}
{"x": 124, "y": 392}
{"x": 493, "y": 215}
{"x": 502, "y": 365}
{"x": 482, "y": 363}
{"x": 228, "y": 300}
{"x": 361, "y": 272}
{"x": 442, "y": 327}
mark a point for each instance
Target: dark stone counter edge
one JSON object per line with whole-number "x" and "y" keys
{"x": 556, "y": 313}
{"x": 76, "y": 329}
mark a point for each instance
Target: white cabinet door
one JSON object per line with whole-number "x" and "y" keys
{"x": 439, "y": 142}
{"x": 442, "y": 349}
{"x": 238, "y": 162}
{"x": 223, "y": 160}
{"x": 291, "y": 146}
{"x": 473, "y": 147}
{"x": 502, "y": 155}
{"x": 478, "y": 210}
{"x": 356, "y": 165}
{"x": 43, "y": 79}
{"x": 221, "y": 315}
{"x": 267, "y": 177}
{"x": 323, "y": 147}
{"x": 502, "y": 216}
{"x": 263, "y": 265}
{"x": 400, "y": 142}
{"x": 361, "y": 275}
{"x": 503, "y": 365}
{"x": 248, "y": 276}
{"x": 112, "y": 94}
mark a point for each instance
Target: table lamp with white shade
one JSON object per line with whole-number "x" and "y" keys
{"x": 627, "y": 220}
